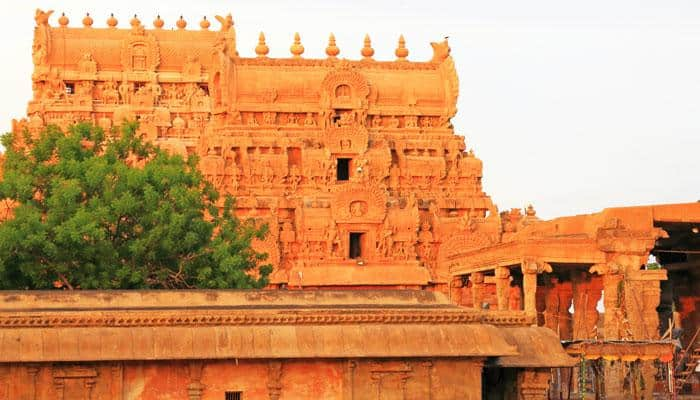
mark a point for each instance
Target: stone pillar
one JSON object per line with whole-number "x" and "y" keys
{"x": 477, "y": 280}
{"x": 529, "y": 292}
{"x": 533, "y": 383}
{"x": 586, "y": 293}
{"x": 530, "y": 269}
{"x": 642, "y": 297}
{"x": 502, "y": 278}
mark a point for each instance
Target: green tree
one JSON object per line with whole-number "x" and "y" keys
{"x": 97, "y": 211}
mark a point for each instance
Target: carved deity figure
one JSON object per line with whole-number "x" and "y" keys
{"x": 393, "y": 122}
{"x": 269, "y": 118}
{"x": 376, "y": 121}
{"x": 309, "y": 120}
{"x": 87, "y": 64}
{"x": 385, "y": 245}
{"x": 292, "y": 119}
{"x": 251, "y": 121}
{"x": 110, "y": 95}
{"x": 294, "y": 177}
{"x": 410, "y": 121}
{"x": 125, "y": 90}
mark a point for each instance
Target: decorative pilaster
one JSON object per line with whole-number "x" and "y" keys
{"x": 477, "y": 280}
{"x": 502, "y": 278}
{"x": 32, "y": 371}
{"x": 195, "y": 388}
{"x": 274, "y": 379}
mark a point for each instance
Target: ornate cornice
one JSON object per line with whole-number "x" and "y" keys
{"x": 56, "y": 319}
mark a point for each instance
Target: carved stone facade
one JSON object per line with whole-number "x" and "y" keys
{"x": 354, "y": 164}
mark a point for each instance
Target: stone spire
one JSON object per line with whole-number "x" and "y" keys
{"x": 401, "y": 51}
{"x": 367, "y": 50}
{"x": 261, "y": 49}
{"x": 297, "y": 49}
{"x": 332, "y": 50}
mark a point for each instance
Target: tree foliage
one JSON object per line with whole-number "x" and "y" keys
{"x": 112, "y": 211}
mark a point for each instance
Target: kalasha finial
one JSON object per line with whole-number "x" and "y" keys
{"x": 401, "y": 51}
{"x": 63, "y": 20}
{"x": 111, "y": 21}
{"x": 367, "y": 50}
{"x": 181, "y": 23}
{"x": 297, "y": 49}
{"x": 204, "y": 23}
{"x": 87, "y": 20}
{"x": 135, "y": 22}
{"x": 530, "y": 211}
{"x": 158, "y": 23}
{"x": 261, "y": 49}
{"x": 332, "y": 50}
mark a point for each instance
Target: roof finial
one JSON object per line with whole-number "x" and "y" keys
{"x": 111, "y": 21}
{"x": 204, "y": 23}
{"x": 63, "y": 20}
{"x": 297, "y": 49}
{"x": 367, "y": 50}
{"x": 261, "y": 49}
{"x": 401, "y": 51}
{"x": 135, "y": 22}
{"x": 332, "y": 50}
{"x": 158, "y": 22}
{"x": 87, "y": 21}
{"x": 181, "y": 23}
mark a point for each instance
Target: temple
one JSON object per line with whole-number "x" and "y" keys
{"x": 395, "y": 275}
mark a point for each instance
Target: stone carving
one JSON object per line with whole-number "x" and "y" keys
{"x": 285, "y": 137}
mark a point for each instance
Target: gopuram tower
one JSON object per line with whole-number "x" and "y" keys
{"x": 354, "y": 164}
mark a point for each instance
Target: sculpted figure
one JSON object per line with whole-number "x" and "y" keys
{"x": 269, "y": 118}
{"x": 441, "y": 50}
{"x": 39, "y": 54}
{"x": 385, "y": 245}
{"x": 294, "y": 177}
{"x": 411, "y": 121}
{"x": 251, "y": 120}
{"x": 226, "y": 22}
{"x": 110, "y": 95}
{"x": 125, "y": 90}
{"x": 393, "y": 122}
{"x": 292, "y": 119}
{"x": 42, "y": 17}
{"x": 377, "y": 121}
{"x": 87, "y": 64}
{"x": 309, "y": 120}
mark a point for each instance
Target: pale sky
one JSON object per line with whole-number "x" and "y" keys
{"x": 572, "y": 106}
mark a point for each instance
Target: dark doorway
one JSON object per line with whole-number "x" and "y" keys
{"x": 343, "y": 170}
{"x": 355, "y": 245}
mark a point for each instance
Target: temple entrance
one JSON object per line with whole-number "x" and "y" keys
{"x": 356, "y": 247}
